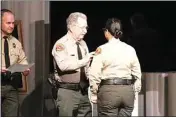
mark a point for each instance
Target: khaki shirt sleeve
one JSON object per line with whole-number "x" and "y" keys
{"x": 136, "y": 71}
{"x": 95, "y": 72}
{"x": 64, "y": 61}
{"x": 22, "y": 58}
{"x": 88, "y": 64}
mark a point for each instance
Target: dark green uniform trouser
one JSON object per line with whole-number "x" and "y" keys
{"x": 73, "y": 103}
{"x": 9, "y": 101}
{"x": 115, "y": 100}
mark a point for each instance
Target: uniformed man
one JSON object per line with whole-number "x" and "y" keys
{"x": 113, "y": 67}
{"x": 11, "y": 53}
{"x": 72, "y": 57}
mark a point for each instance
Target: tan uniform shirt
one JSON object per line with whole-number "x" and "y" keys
{"x": 16, "y": 53}
{"x": 113, "y": 59}
{"x": 66, "y": 57}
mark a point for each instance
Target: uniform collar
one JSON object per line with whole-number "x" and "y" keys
{"x": 8, "y": 37}
{"x": 113, "y": 39}
{"x": 72, "y": 40}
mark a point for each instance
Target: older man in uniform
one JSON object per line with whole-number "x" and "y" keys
{"x": 72, "y": 57}
{"x": 113, "y": 68}
{"x": 11, "y": 53}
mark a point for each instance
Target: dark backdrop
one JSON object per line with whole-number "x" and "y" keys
{"x": 160, "y": 15}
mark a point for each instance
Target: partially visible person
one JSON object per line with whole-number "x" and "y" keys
{"x": 11, "y": 53}
{"x": 72, "y": 57}
{"x": 145, "y": 41}
{"x": 115, "y": 74}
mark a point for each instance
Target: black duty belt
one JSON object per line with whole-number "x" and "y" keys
{"x": 5, "y": 78}
{"x": 116, "y": 81}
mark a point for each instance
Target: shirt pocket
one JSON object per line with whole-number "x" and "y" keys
{"x": 13, "y": 56}
{"x": 72, "y": 54}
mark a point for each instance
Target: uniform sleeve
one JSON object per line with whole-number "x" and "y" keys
{"x": 136, "y": 71}
{"x": 88, "y": 64}
{"x": 95, "y": 72}
{"x": 64, "y": 61}
{"x": 22, "y": 58}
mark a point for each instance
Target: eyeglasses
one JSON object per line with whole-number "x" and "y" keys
{"x": 83, "y": 27}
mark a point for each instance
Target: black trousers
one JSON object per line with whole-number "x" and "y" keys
{"x": 115, "y": 100}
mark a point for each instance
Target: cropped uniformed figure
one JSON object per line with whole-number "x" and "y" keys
{"x": 114, "y": 69}
{"x": 145, "y": 41}
{"x": 141, "y": 38}
{"x": 11, "y": 53}
{"x": 72, "y": 57}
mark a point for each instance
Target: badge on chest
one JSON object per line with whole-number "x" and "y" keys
{"x": 14, "y": 45}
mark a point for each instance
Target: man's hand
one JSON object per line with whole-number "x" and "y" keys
{"x": 137, "y": 86}
{"x": 92, "y": 96}
{"x": 93, "y": 99}
{"x": 3, "y": 70}
{"x": 86, "y": 60}
{"x": 26, "y": 72}
{"x": 92, "y": 54}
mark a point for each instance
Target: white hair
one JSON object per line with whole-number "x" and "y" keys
{"x": 73, "y": 18}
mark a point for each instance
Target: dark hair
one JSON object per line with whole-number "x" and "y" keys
{"x": 4, "y": 11}
{"x": 113, "y": 25}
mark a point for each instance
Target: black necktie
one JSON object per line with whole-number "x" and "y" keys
{"x": 6, "y": 52}
{"x": 84, "y": 83}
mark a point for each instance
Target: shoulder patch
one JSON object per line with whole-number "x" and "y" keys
{"x": 98, "y": 51}
{"x": 59, "y": 47}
